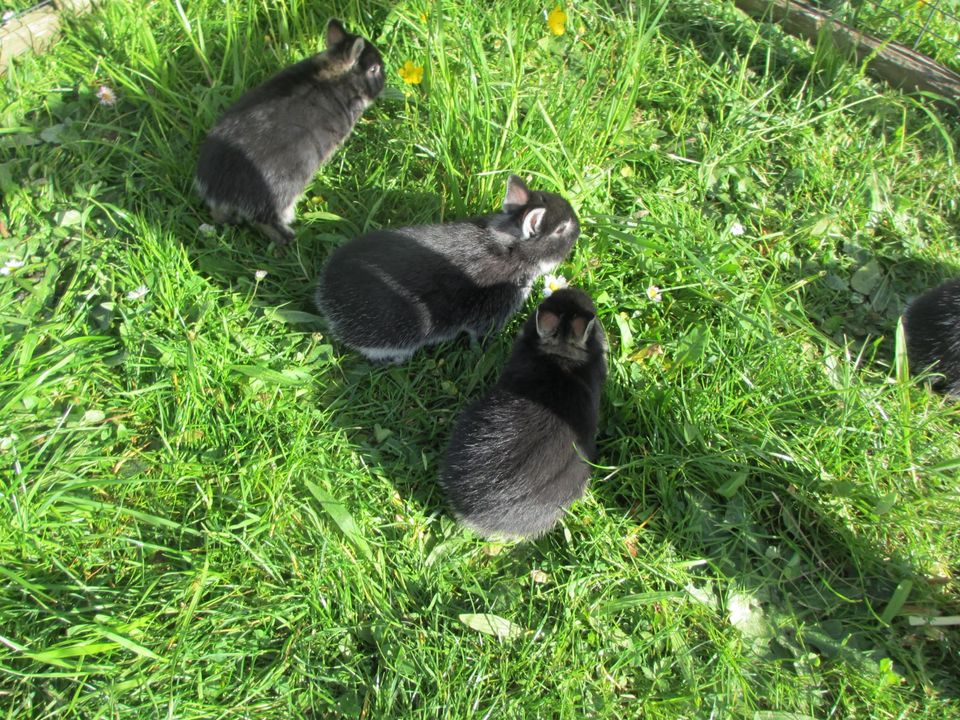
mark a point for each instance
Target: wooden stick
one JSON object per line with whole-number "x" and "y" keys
{"x": 897, "y": 64}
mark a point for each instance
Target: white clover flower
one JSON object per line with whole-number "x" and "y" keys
{"x": 737, "y": 229}
{"x": 539, "y": 576}
{"x": 106, "y": 96}
{"x": 138, "y": 293}
{"x": 552, "y": 283}
{"x": 653, "y": 294}
{"x": 10, "y": 265}
{"x": 260, "y": 275}
{"x": 207, "y": 229}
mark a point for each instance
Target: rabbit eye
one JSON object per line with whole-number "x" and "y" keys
{"x": 373, "y": 70}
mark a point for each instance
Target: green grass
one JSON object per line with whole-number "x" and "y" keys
{"x": 931, "y": 27}
{"x": 212, "y": 510}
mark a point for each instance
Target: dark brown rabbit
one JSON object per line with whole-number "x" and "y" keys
{"x": 390, "y": 292}
{"x": 516, "y": 460}
{"x": 256, "y": 161}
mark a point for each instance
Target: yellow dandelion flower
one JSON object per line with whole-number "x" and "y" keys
{"x": 557, "y": 21}
{"x": 411, "y": 73}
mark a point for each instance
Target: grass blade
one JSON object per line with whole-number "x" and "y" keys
{"x": 341, "y": 518}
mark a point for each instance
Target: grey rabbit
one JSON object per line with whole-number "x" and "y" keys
{"x": 257, "y": 160}
{"x": 931, "y": 325}
{"x": 515, "y": 459}
{"x": 390, "y": 292}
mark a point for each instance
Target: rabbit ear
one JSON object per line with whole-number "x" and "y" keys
{"x": 581, "y": 327}
{"x": 532, "y": 222}
{"x": 356, "y": 50}
{"x": 547, "y": 322}
{"x": 335, "y": 33}
{"x": 518, "y": 194}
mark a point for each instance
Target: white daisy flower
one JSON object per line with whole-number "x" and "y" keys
{"x": 106, "y": 96}
{"x": 552, "y": 283}
{"x": 737, "y": 229}
{"x": 138, "y": 293}
{"x": 653, "y": 294}
{"x": 11, "y": 265}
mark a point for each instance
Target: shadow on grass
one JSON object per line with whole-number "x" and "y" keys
{"x": 861, "y": 298}
{"x": 231, "y": 255}
{"x": 398, "y": 417}
{"x": 778, "y": 559}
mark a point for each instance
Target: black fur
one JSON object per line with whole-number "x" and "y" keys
{"x": 931, "y": 325}
{"x": 393, "y": 291}
{"x": 256, "y": 161}
{"x": 514, "y": 462}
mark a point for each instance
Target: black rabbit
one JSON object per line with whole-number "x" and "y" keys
{"x": 931, "y": 325}
{"x": 390, "y": 292}
{"x": 256, "y": 161}
{"x": 515, "y": 461}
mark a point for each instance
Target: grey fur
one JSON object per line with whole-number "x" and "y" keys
{"x": 931, "y": 325}
{"x": 516, "y": 458}
{"x": 390, "y": 292}
{"x": 256, "y": 161}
